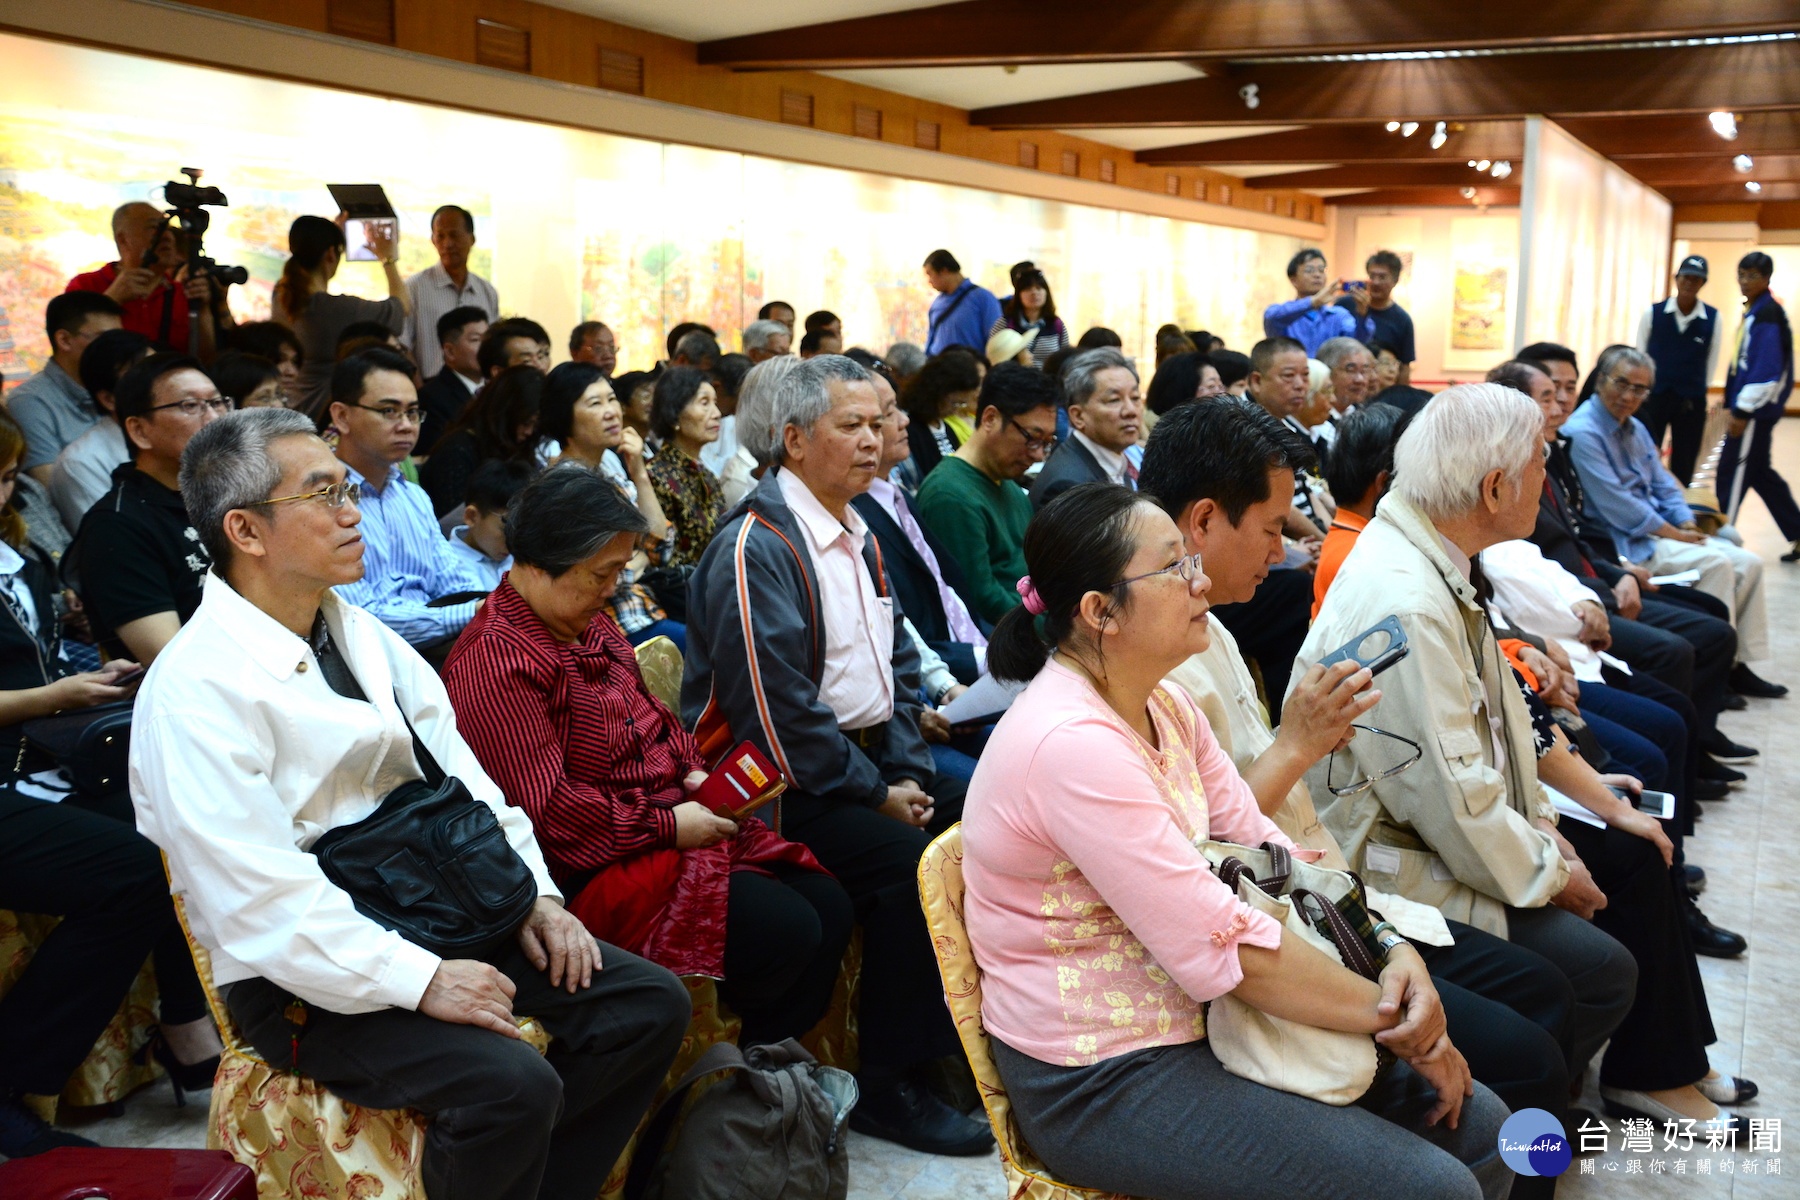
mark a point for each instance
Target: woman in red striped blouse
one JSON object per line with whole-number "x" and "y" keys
{"x": 548, "y": 694}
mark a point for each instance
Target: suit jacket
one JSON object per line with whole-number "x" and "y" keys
{"x": 916, "y": 587}
{"x": 1069, "y": 465}
{"x": 443, "y": 397}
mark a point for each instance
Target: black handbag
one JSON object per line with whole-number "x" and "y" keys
{"x": 432, "y": 864}
{"x": 91, "y": 745}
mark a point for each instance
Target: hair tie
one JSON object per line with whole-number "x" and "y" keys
{"x": 1033, "y": 604}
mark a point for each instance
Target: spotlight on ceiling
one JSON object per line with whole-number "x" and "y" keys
{"x": 1484, "y": 164}
{"x": 1502, "y": 169}
{"x": 1393, "y": 126}
{"x": 1471, "y": 163}
{"x": 1408, "y": 129}
{"x": 1743, "y": 163}
{"x": 1468, "y": 193}
{"x": 1752, "y": 186}
{"x": 1724, "y": 124}
{"x": 1439, "y": 137}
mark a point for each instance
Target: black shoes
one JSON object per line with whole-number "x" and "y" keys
{"x": 1735, "y": 702}
{"x": 1715, "y": 743}
{"x": 183, "y": 1077}
{"x": 23, "y": 1133}
{"x": 1708, "y": 938}
{"x": 1711, "y": 768}
{"x": 1695, "y": 879}
{"x": 1710, "y": 789}
{"x": 1746, "y": 682}
{"x": 908, "y": 1113}
{"x": 1793, "y": 553}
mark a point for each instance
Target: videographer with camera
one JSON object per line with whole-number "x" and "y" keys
{"x": 152, "y": 283}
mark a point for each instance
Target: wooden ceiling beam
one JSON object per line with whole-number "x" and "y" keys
{"x": 1494, "y": 197}
{"x": 1742, "y": 77}
{"x": 1770, "y": 132}
{"x": 1729, "y": 193}
{"x": 1382, "y": 175}
{"x": 979, "y": 32}
{"x": 1349, "y": 144}
{"x": 1675, "y": 172}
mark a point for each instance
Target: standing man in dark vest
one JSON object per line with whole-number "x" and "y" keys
{"x": 1681, "y": 336}
{"x": 1757, "y": 385}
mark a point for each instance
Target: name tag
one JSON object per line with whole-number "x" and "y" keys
{"x": 1384, "y": 859}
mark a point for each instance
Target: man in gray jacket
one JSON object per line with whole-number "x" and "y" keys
{"x": 792, "y": 646}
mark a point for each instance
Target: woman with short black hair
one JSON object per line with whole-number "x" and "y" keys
{"x": 684, "y": 413}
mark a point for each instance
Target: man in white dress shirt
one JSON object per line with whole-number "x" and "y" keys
{"x": 281, "y": 712}
{"x": 447, "y": 285}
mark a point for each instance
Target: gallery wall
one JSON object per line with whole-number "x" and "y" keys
{"x": 571, "y": 224}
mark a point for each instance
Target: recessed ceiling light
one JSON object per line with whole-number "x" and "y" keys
{"x": 1724, "y": 124}
{"x": 1752, "y": 186}
{"x": 1439, "y": 137}
{"x": 1393, "y": 126}
{"x": 1468, "y": 193}
{"x": 1484, "y": 164}
{"x": 1743, "y": 163}
{"x": 1408, "y": 129}
{"x": 1502, "y": 169}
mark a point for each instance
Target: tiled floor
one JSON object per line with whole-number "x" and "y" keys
{"x": 1749, "y": 846}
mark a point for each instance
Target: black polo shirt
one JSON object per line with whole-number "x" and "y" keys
{"x": 134, "y": 556}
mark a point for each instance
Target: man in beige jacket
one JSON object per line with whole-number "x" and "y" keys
{"x": 1468, "y": 828}
{"x": 1224, "y": 471}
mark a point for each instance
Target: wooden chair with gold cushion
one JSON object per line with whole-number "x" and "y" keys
{"x": 298, "y": 1138}
{"x": 659, "y": 662}
{"x": 108, "y": 1074}
{"x": 941, "y": 893}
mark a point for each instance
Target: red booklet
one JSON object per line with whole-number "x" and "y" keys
{"x": 743, "y": 782}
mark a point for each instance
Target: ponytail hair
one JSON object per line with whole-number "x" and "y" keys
{"x": 308, "y": 240}
{"x": 1078, "y": 543}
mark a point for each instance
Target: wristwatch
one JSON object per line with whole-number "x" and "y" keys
{"x": 1388, "y": 940}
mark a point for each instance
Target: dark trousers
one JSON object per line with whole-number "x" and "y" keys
{"x": 1744, "y": 467}
{"x": 1662, "y": 1041}
{"x": 1686, "y": 416}
{"x": 506, "y": 1122}
{"x": 903, "y": 1020}
{"x": 180, "y": 998}
{"x": 1270, "y": 627}
{"x": 1508, "y": 1010}
{"x": 1713, "y": 639}
{"x": 106, "y": 883}
{"x": 1651, "y": 732}
{"x": 784, "y": 946}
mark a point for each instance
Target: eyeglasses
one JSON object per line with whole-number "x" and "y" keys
{"x": 334, "y": 495}
{"x": 1188, "y": 568}
{"x": 1363, "y": 785}
{"x": 192, "y": 405}
{"x": 1045, "y": 444}
{"x": 393, "y": 415}
{"x": 1630, "y": 389}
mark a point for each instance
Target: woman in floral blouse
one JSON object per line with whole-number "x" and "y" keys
{"x": 685, "y": 415}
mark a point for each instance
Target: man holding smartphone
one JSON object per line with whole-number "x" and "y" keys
{"x": 1317, "y": 313}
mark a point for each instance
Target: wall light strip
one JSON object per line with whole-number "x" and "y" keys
{"x": 1509, "y": 51}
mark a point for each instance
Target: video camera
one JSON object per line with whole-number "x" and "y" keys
{"x": 188, "y": 203}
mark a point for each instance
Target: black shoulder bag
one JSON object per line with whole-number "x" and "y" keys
{"x": 432, "y": 864}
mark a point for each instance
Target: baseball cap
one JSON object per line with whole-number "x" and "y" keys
{"x": 1693, "y": 264}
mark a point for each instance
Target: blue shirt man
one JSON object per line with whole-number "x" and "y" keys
{"x": 1314, "y": 317}
{"x": 963, "y": 312}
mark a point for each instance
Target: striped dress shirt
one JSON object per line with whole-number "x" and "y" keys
{"x": 407, "y": 563}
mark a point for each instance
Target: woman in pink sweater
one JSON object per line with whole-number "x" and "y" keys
{"x": 1101, "y": 933}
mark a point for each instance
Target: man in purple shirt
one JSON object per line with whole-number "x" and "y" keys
{"x": 1314, "y": 316}
{"x": 963, "y": 312}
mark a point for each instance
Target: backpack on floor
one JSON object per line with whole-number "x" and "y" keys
{"x": 773, "y": 1130}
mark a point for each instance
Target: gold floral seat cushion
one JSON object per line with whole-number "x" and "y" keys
{"x": 108, "y": 1074}
{"x": 941, "y": 893}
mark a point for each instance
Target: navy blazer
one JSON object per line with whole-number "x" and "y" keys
{"x": 1069, "y": 465}
{"x": 916, "y": 587}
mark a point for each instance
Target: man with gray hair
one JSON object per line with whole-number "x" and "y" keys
{"x": 1629, "y": 496}
{"x": 1105, "y": 411}
{"x": 1352, "y": 369}
{"x": 755, "y": 431}
{"x": 764, "y": 340}
{"x": 280, "y": 713}
{"x": 792, "y": 646}
{"x": 1448, "y": 808}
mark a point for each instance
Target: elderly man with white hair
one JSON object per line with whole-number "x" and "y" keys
{"x": 1631, "y": 497}
{"x": 764, "y": 340}
{"x": 793, "y": 645}
{"x": 1438, "y": 797}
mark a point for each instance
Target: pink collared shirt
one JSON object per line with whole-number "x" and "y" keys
{"x": 1098, "y": 927}
{"x": 857, "y": 682}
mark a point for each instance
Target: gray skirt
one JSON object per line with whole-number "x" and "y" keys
{"x": 1170, "y": 1123}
